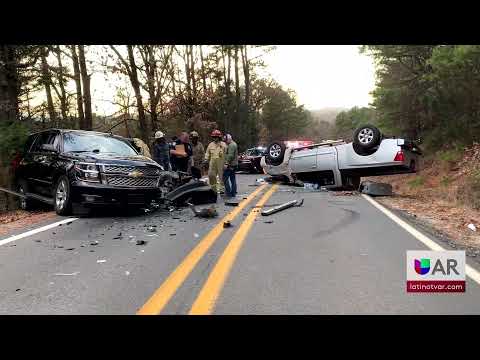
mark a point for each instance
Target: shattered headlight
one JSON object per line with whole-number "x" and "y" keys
{"x": 87, "y": 172}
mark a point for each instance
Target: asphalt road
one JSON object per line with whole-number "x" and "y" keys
{"x": 333, "y": 255}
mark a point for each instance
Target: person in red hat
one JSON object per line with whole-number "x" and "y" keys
{"x": 215, "y": 158}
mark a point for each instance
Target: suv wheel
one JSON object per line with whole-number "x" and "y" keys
{"x": 275, "y": 153}
{"x": 62, "y": 197}
{"x": 367, "y": 137}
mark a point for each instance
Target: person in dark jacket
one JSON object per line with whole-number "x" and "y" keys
{"x": 161, "y": 151}
{"x": 180, "y": 161}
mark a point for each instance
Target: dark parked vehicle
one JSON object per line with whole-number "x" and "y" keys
{"x": 250, "y": 160}
{"x": 62, "y": 167}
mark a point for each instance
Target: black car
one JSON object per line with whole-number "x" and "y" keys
{"x": 62, "y": 167}
{"x": 250, "y": 160}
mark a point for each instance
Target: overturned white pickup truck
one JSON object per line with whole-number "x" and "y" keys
{"x": 338, "y": 164}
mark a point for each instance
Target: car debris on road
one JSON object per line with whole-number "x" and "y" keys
{"x": 472, "y": 227}
{"x": 282, "y": 207}
{"x": 210, "y": 212}
{"x": 227, "y": 224}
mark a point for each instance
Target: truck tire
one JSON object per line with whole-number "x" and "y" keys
{"x": 366, "y": 137}
{"x": 62, "y": 196}
{"x": 275, "y": 153}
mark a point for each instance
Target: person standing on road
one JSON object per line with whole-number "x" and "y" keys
{"x": 215, "y": 158}
{"x": 198, "y": 152}
{"x": 161, "y": 151}
{"x": 180, "y": 161}
{"x": 230, "y": 167}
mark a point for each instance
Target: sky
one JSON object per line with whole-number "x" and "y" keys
{"x": 324, "y": 75}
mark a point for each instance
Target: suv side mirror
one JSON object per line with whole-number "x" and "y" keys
{"x": 49, "y": 147}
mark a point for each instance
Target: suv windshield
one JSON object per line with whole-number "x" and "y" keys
{"x": 75, "y": 142}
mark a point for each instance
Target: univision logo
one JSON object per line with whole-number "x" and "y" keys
{"x": 422, "y": 266}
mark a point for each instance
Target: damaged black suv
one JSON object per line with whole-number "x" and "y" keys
{"x": 62, "y": 167}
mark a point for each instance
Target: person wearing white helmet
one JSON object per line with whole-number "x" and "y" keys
{"x": 161, "y": 151}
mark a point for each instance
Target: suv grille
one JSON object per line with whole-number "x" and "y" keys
{"x": 131, "y": 181}
{"x": 144, "y": 176}
{"x": 145, "y": 170}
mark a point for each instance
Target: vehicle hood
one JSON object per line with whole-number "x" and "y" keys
{"x": 113, "y": 159}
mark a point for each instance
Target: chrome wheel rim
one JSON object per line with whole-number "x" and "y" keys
{"x": 61, "y": 195}
{"x": 275, "y": 151}
{"x": 365, "y": 136}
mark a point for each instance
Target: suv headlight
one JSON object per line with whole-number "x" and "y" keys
{"x": 87, "y": 172}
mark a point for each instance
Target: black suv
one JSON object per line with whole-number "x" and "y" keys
{"x": 62, "y": 167}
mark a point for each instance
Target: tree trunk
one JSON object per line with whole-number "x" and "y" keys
{"x": 9, "y": 86}
{"x": 237, "y": 80}
{"x": 194, "y": 82}
{"x": 204, "y": 79}
{"x": 78, "y": 85}
{"x": 229, "y": 58}
{"x": 246, "y": 74}
{"x": 138, "y": 95}
{"x": 61, "y": 79}
{"x": 46, "y": 80}
{"x": 87, "y": 99}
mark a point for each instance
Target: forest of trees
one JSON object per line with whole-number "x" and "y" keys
{"x": 169, "y": 87}
{"x": 425, "y": 92}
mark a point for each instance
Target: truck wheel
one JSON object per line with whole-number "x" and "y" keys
{"x": 25, "y": 204}
{"x": 63, "y": 197}
{"x": 275, "y": 153}
{"x": 367, "y": 137}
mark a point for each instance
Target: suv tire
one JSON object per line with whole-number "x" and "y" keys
{"x": 62, "y": 196}
{"x": 367, "y": 137}
{"x": 275, "y": 153}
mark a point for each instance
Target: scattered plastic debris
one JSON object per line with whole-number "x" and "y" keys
{"x": 127, "y": 273}
{"x": 227, "y": 224}
{"x": 172, "y": 234}
{"x": 142, "y": 251}
{"x": 72, "y": 274}
{"x": 310, "y": 186}
{"x": 101, "y": 261}
{"x": 18, "y": 289}
{"x": 141, "y": 242}
{"x": 69, "y": 249}
{"x": 151, "y": 229}
{"x": 472, "y": 227}
{"x": 38, "y": 240}
{"x": 268, "y": 222}
{"x": 95, "y": 243}
{"x": 196, "y": 235}
{"x": 260, "y": 181}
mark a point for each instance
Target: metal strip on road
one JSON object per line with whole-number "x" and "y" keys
{"x": 208, "y": 296}
{"x": 165, "y": 292}
{"x": 35, "y": 231}
{"x": 471, "y": 272}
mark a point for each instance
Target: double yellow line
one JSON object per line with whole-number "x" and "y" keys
{"x": 208, "y": 295}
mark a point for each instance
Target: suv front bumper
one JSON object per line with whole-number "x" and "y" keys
{"x": 92, "y": 194}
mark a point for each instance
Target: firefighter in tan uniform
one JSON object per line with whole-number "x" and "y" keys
{"x": 215, "y": 157}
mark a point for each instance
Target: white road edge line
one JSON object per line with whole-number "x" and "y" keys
{"x": 35, "y": 231}
{"x": 471, "y": 272}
